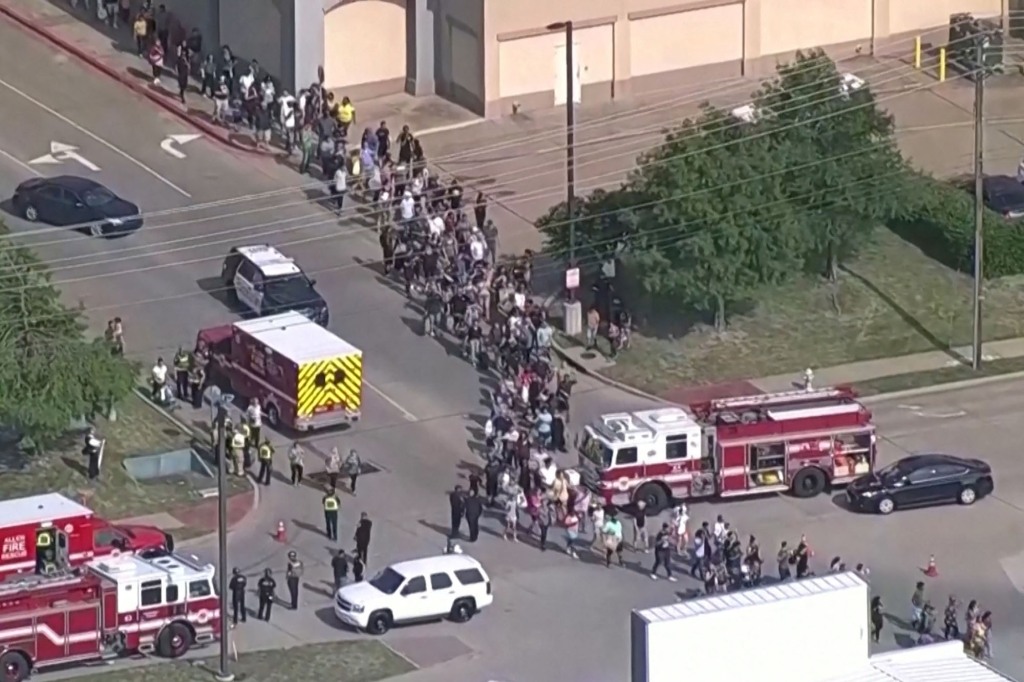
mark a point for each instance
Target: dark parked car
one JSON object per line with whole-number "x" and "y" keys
{"x": 1004, "y": 195}
{"x": 70, "y": 201}
{"x": 921, "y": 480}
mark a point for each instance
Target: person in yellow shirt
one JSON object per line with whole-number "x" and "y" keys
{"x": 346, "y": 115}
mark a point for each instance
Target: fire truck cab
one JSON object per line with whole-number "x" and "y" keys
{"x": 797, "y": 441}
{"x": 105, "y": 609}
{"x": 44, "y": 533}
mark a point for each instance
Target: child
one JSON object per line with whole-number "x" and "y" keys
{"x": 572, "y": 533}
{"x": 680, "y": 517}
{"x": 357, "y": 568}
{"x": 513, "y": 502}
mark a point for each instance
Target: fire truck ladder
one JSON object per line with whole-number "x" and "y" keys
{"x": 31, "y": 582}
{"x": 770, "y": 399}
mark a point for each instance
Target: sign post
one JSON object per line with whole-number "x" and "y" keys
{"x": 573, "y": 309}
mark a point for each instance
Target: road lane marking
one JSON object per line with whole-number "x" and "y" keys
{"x": 409, "y": 416}
{"x": 117, "y": 150}
{"x": 18, "y": 162}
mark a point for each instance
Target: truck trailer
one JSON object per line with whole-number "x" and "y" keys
{"x": 752, "y": 635}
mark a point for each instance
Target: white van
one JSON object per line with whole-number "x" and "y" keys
{"x": 451, "y": 586}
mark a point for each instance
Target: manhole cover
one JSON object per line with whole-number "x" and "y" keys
{"x": 588, "y": 355}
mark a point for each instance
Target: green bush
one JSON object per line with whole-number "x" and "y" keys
{"x": 939, "y": 218}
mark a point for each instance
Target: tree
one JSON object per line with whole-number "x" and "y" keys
{"x": 716, "y": 225}
{"x": 845, "y": 170}
{"x": 50, "y": 373}
{"x": 604, "y": 222}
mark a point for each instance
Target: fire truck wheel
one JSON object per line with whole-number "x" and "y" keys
{"x": 174, "y": 641}
{"x": 809, "y": 482}
{"x": 14, "y": 667}
{"x": 654, "y": 496}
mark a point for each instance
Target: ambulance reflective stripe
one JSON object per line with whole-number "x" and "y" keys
{"x": 201, "y": 617}
{"x": 338, "y": 381}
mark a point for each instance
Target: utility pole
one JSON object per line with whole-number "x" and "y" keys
{"x": 224, "y": 674}
{"x": 980, "y": 43}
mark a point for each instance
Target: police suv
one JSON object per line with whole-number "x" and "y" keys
{"x": 265, "y": 281}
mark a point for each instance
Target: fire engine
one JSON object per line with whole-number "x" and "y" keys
{"x": 105, "y": 609}
{"x": 797, "y": 441}
{"x": 52, "y": 529}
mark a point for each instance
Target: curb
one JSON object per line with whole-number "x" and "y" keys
{"x": 191, "y": 542}
{"x": 877, "y": 398}
{"x": 209, "y": 130}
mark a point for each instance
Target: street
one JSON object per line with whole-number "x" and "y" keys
{"x": 423, "y": 409}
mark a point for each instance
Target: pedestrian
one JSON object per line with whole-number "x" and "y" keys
{"x": 593, "y": 327}
{"x": 357, "y": 569}
{"x": 182, "y": 362}
{"x": 699, "y": 554}
{"x": 196, "y": 382}
{"x": 474, "y": 509}
{"x": 339, "y": 568}
{"x": 597, "y": 521}
{"x": 680, "y": 521}
{"x": 237, "y": 587}
{"x": 641, "y": 540}
{"x": 352, "y": 466}
{"x": 917, "y": 602}
{"x": 254, "y": 417}
{"x": 951, "y": 629}
{"x": 877, "y": 619}
{"x": 572, "y": 532}
{"x": 155, "y": 57}
{"x": 296, "y": 462}
{"x": 307, "y": 144}
{"x": 265, "y": 589}
{"x": 293, "y": 573}
{"x": 514, "y": 501}
{"x": 332, "y": 467}
{"x": 140, "y": 29}
{"x": 803, "y": 554}
{"x": 545, "y": 515}
{"x": 785, "y": 560}
{"x": 162, "y": 24}
{"x": 362, "y": 538}
{"x": 611, "y": 535}
{"x": 457, "y": 508}
{"x": 339, "y": 186}
{"x": 238, "y": 445}
{"x": 331, "y": 505}
{"x": 93, "y": 451}
{"x": 182, "y": 70}
{"x": 663, "y": 544}
{"x": 265, "y": 455}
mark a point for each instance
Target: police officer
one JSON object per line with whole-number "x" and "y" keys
{"x": 265, "y": 590}
{"x": 266, "y": 457}
{"x": 331, "y": 506}
{"x": 182, "y": 363}
{"x": 93, "y": 450}
{"x": 44, "y": 553}
{"x": 246, "y": 431}
{"x": 196, "y": 381}
{"x": 293, "y": 573}
{"x": 339, "y": 566}
{"x": 237, "y": 586}
{"x": 237, "y": 452}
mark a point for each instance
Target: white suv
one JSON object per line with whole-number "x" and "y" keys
{"x": 450, "y": 586}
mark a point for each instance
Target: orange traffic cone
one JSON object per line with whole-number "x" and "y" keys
{"x": 281, "y": 535}
{"x": 931, "y": 571}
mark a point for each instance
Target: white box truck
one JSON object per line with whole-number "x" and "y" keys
{"x": 801, "y": 631}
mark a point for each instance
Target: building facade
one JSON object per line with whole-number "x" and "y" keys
{"x": 496, "y": 56}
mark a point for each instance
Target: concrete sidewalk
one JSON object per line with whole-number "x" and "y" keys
{"x": 112, "y": 52}
{"x": 595, "y": 363}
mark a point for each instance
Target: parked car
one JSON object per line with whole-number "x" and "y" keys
{"x": 921, "y": 480}
{"x": 453, "y": 586}
{"x": 1004, "y": 195}
{"x": 80, "y": 203}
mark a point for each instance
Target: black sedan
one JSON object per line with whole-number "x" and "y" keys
{"x": 70, "y": 201}
{"x": 1004, "y": 195}
{"x": 921, "y": 480}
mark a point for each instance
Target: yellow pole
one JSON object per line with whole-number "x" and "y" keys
{"x": 917, "y": 52}
{"x": 942, "y": 65}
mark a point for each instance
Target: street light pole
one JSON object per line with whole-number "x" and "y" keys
{"x": 979, "y": 195}
{"x": 224, "y": 674}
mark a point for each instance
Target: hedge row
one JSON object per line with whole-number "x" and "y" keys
{"x": 939, "y": 219}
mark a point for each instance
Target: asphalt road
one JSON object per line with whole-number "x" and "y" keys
{"x": 422, "y": 416}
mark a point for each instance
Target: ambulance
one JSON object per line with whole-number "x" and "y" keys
{"x": 52, "y": 528}
{"x": 304, "y": 375}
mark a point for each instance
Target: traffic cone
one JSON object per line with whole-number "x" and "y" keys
{"x": 281, "y": 535}
{"x": 931, "y": 571}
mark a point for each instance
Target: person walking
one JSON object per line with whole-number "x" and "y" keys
{"x": 332, "y": 467}
{"x": 611, "y": 535}
{"x": 331, "y": 505}
{"x": 296, "y": 462}
{"x": 237, "y": 587}
{"x": 265, "y": 455}
{"x": 457, "y": 505}
{"x": 352, "y": 466}
{"x": 663, "y": 543}
{"x": 545, "y": 515}
{"x": 474, "y": 509}
{"x": 265, "y": 589}
{"x": 362, "y": 538}
{"x": 877, "y": 619}
{"x": 292, "y": 576}
{"x": 339, "y": 567}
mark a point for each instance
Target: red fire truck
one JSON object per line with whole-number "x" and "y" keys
{"x": 50, "y": 528}
{"x": 797, "y": 441}
{"x": 105, "y": 609}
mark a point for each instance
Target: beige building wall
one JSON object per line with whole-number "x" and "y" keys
{"x": 625, "y": 47}
{"x": 364, "y": 48}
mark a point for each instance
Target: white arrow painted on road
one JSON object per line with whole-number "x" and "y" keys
{"x": 60, "y": 152}
{"x": 171, "y": 142}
